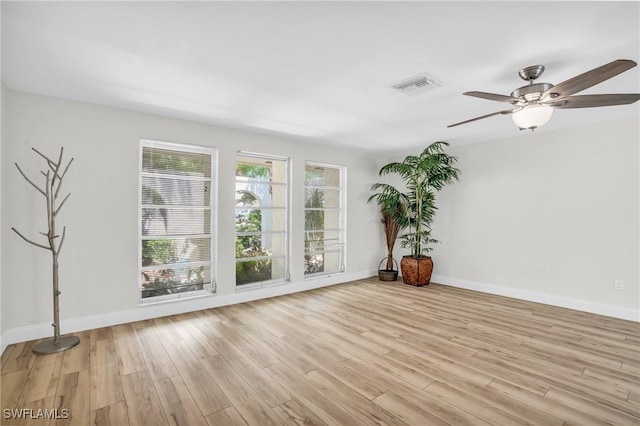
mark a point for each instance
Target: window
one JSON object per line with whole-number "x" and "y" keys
{"x": 261, "y": 220}
{"x": 324, "y": 221}
{"x": 175, "y": 220}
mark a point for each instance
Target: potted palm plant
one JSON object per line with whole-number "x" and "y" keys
{"x": 423, "y": 175}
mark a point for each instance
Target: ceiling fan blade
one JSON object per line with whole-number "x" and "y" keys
{"x": 508, "y": 111}
{"x": 588, "y": 101}
{"x": 493, "y": 97}
{"x": 590, "y": 78}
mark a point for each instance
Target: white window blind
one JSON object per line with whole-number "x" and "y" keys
{"x": 175, "y": 220}
{"x": 324, "y": 219}
{"x": 261, "y": 216}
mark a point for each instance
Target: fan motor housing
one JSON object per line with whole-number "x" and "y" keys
{"x": 531, "y": 92}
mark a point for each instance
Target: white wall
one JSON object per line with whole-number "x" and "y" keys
{"x": 98, "y": 265}
{"x": 2, "y": 101}
{"x": 2, "y": 128}
{"x": 551, "y": 217}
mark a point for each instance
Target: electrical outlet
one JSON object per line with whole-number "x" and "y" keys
{"x": 618, "y": 285}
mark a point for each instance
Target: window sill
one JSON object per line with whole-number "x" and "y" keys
{"x": 160, "y": 300}
{"x": 257, "y": 286}
{"x": 323, "y": 275}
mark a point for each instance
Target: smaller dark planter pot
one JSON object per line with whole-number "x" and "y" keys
{"x": 387, "y": 274}
{"x": 416, "y": 270}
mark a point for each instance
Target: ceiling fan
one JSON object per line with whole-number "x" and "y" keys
{"x": 534, "y": 103}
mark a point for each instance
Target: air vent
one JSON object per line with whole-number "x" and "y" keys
{"x": 418, "y": 84}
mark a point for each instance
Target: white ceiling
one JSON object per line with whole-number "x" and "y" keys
{"x": 319, "y": 70}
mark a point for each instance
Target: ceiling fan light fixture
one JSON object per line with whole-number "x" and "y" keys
{"x": 532, "y": 116}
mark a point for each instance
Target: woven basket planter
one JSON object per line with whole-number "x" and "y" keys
{"x": 387, "y": 274}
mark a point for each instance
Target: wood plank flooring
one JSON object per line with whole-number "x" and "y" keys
{"x": 366, "y": 352}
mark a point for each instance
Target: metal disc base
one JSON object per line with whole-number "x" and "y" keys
{"x": 48, "y": 347}
{"x": 531, "y": 73}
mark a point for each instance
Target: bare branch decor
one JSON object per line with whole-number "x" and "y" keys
{"x": 52, "y": 184}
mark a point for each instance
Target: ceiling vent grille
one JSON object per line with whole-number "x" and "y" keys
{"x": 418, "y": 84}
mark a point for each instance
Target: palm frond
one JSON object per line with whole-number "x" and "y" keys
{"x": 401, "y": 169}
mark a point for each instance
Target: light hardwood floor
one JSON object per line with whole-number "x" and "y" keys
{"x": 366, "y": 352}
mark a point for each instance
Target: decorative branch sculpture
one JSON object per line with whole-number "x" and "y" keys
{"x": 53, "y": 182}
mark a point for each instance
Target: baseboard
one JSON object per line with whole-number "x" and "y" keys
{"x": 545, "y": 298}
{"x": 156, "y": 310}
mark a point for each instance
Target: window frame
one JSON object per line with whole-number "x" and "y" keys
{"x": 287, "y": 222}
{"x": 342, "y": 214}
{"x": 213, "y": 216}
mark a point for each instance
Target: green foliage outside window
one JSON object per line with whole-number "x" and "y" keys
{"x": 250, "y": 245}
{"x": 156, "y": 252}
{"x": 157, "y": 159}
{"x": 171, "y": 281}
{"x": 158, "y": 282}
{"x": 314, "y": 220}
{"x": 253, "y": 171}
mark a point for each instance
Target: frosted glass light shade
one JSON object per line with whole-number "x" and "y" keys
{"x": 532, "y": 116}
